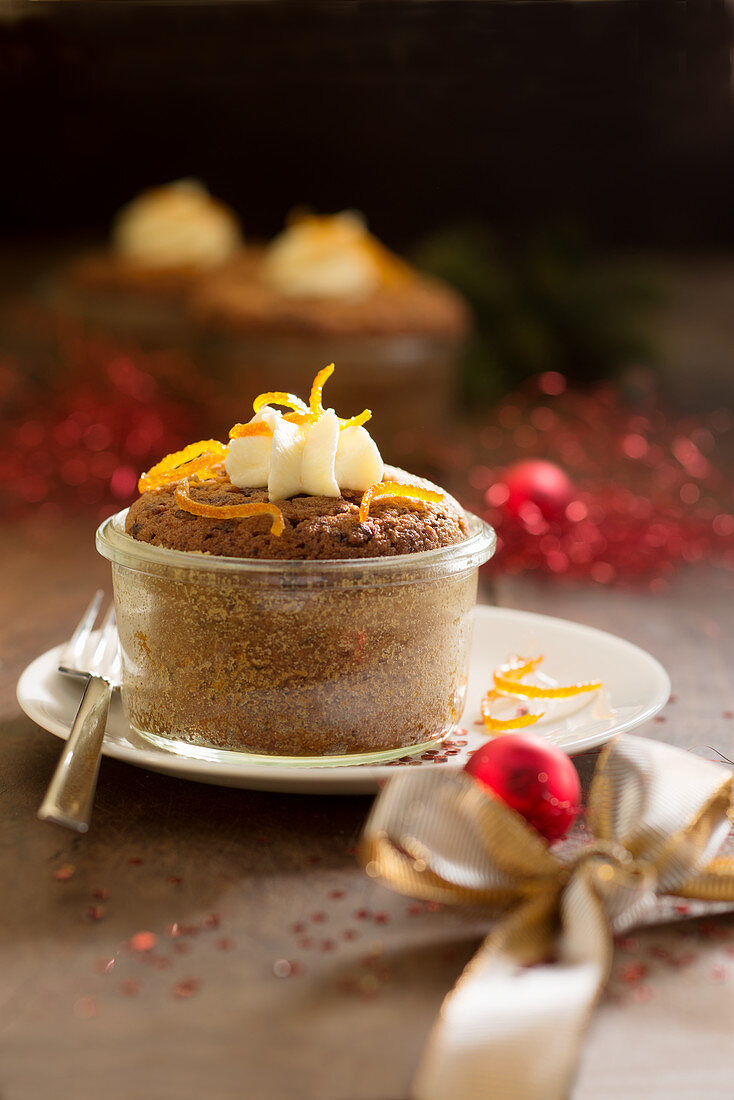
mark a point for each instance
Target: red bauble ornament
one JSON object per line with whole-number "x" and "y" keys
{"x": 533, "y": 777}
{"x": 539, "y": 483}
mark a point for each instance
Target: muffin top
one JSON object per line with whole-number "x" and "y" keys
{"x": 163, "y": 240}
{"x": 329, "y": 275}
{"x": 316, "y": 528}
{"x": 306, "y": 484}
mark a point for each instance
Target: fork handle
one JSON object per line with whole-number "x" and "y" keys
{"x": 70, "y": 793}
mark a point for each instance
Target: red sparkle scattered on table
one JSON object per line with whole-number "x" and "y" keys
{"x": 186, "y": 988}
{"x": 64, "y": 872}
{"x": 143, "y": 941}
{"x": 607, "y": 487}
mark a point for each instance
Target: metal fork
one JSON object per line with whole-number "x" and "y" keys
{"x": 70, "y": 794}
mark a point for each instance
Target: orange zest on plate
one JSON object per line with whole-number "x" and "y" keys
{"x": 229, "y": 511}
{"x": 204, "y": 459}
{"x": 509, "y": 683}
{"x": 412, "y": 493}
{"x": 508, "y": 680}
{"x": 499, "y": 725}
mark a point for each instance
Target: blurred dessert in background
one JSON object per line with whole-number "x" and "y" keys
{"x": 162, "y": 245}
{"x": 326, "y": 288}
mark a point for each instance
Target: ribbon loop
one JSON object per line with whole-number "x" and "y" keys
{"x": 513, "y": 1024}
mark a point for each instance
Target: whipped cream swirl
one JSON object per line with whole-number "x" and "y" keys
{"x": 329, "y": 257}
{"x": 179, "y": 225}
{"x": 316, "y": 458}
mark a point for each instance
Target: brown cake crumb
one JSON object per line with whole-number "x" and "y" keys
{"x": 316, "y": 528}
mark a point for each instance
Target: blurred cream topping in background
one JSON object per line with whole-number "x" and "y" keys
{"x": 316, "y": 458}
{"x": 179, "y": 225}
{"x": 330, "y": 257}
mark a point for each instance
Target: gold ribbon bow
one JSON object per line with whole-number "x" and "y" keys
{"x": 512, "y": 1026}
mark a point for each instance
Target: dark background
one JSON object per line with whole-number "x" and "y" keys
{"x": 617, "y": 114}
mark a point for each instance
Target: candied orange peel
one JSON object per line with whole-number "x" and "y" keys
{"x": 229, "y": 511}
{"x": 395, "y": 489}
{"x": 509, "y": 683}
{"x": 240, "y": 431}
{"x": 301, "y": 413}
{"x": 499, "y": 725}
{"x": 204, "y": 459}
{"x": 279, "y": 397}
{"x": 508, "y": 680}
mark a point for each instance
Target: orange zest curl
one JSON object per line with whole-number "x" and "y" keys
{"x": 355, "y": 421}
{"x": 317, "y": 389}
{"x": 508, "y": 681}
{"x": 204, "y": 459}
{"x": 499, "y": 725}
{"x": 240, "y": 431}
{"x": 395, "y": 489}
{"x": 229, "y": 511}
{"x": 301, "y": 413}
{"x": 279, "y": 397}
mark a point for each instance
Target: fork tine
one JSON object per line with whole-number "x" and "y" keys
{"x": 78, "y": 642}
{"x": 107, "y": 645}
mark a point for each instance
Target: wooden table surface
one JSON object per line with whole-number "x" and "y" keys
{"x": 240, "y": 887}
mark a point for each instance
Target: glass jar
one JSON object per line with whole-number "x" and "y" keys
{"x": 307, "y": 661}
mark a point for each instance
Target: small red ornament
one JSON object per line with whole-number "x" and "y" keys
{"x": 538, "y": 483}
{"x": 533, "y": 777}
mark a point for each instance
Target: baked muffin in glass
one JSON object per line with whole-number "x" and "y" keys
{"x": 162, "y": 245}
{"x": 287, "y": 595}
{"x": 326, "y": 288}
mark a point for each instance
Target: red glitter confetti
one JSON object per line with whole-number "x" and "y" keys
{"x": 642, "y": 993}
{"x": 298, "y": 927}
{"x": 633, "y": 972}
{"x": 318, "y": 918}
{"x": 104, "y": 966}
{"x": 350, "y": 934}
{"x": 86, "y": 1007}
{"x": 95, "y": 912}
{"x": 186, "y": 988}
{"x": 100, "y": 893}
{"x": 180, "y": 947}
{"x": 313, "y": 859}
{"x": 173, "y": 930}
{"x": 135, "y": 861}
{"x": 212, "y": 921}
{"x": 719, "y": 974}
{"x": 224, "y": 943}
{"x": 381, "y": 918}
{"x": 129, "y": 988}
{"x": 327, "y": 945}
{"x": 335, "y": 895}
{"x": 143, "y": 941}
{"x": 64, "y": 872}
{"x": 285, "y": 968}
{"x": 645, "y": 498}
{"x": 362, "y": 914}
{"x": 174, "y": 880}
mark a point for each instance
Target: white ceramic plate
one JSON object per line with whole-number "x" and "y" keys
{"x": 636, "y": 686}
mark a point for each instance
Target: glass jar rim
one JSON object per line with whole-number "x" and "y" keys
{"x": 113, "y": 543}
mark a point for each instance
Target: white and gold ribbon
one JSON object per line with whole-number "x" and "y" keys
{"x": 512, "y": 1027}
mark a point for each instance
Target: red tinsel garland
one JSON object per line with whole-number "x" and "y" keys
{"x": 632, "y": 494}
